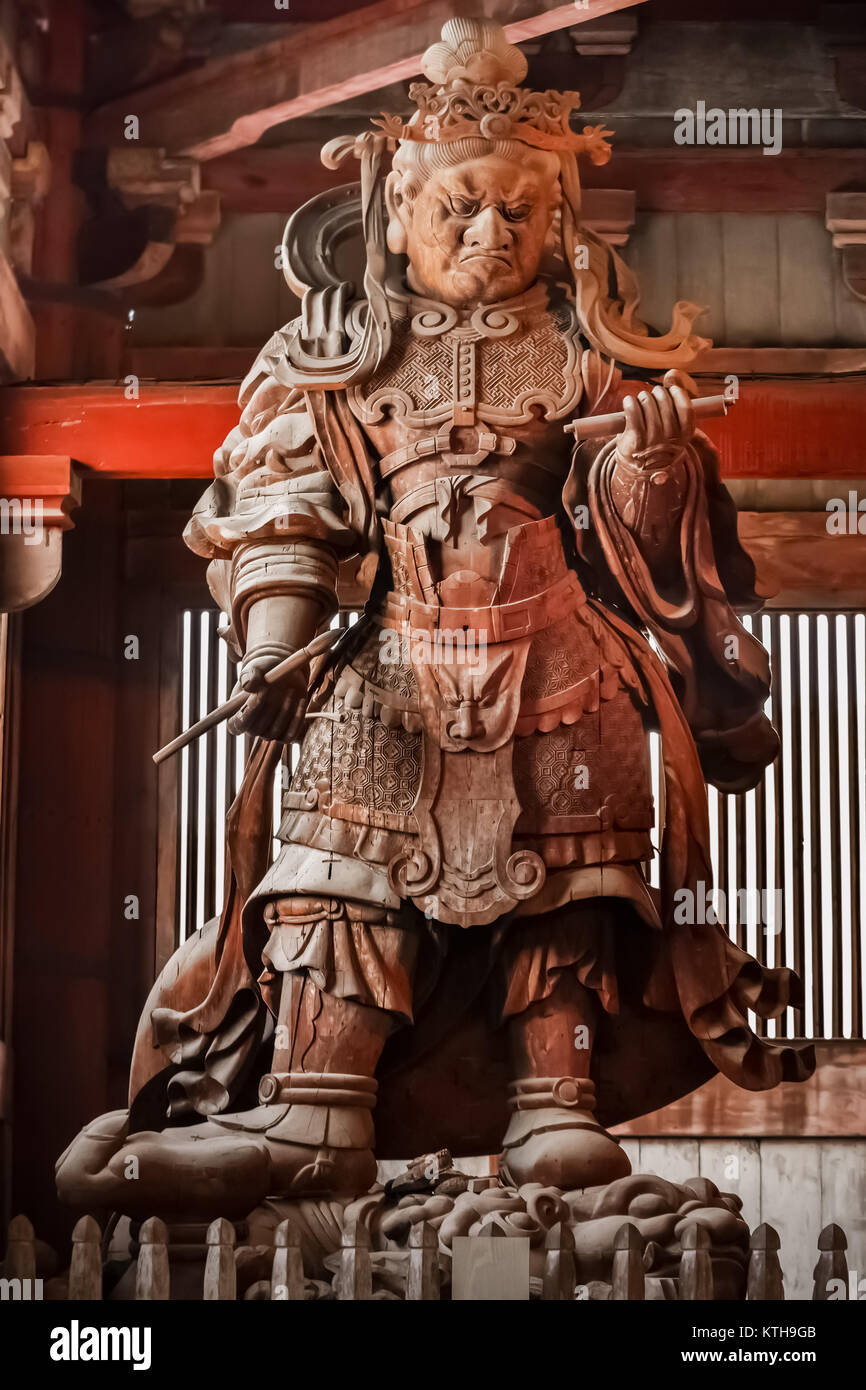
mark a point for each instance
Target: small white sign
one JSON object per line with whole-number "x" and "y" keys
{"x": 487, "y": 1268}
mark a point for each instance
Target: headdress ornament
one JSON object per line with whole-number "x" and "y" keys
{"x": 473, "y": 90}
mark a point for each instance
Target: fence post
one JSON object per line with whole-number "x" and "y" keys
{"x": 287, "y": 1270}
{"x": 85, "y": 1268}
{"x": 20, "y": 1249}
{"x": 696, "y": 1265}
{"x": 627, "y": 1273}
{"x": 356, "y": 1272}
{"x": 151, "y": 1274}
{"x": 832, "y": 1264}
{"x": 765, "y": 1282}
{"x": 560, "y": 1273}
{"x": 422, "y": 1279}
{"x": 220, "y": 1276}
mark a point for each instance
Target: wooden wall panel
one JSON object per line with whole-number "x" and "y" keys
{"x": 651, "y": 254}
{"x": 88, "y": 834}
{"x": 674, "y": 1159}
{"x": 734, "y": 1165}
{"x": 791, "y": 1202}
{"x": 700, "y": 269}
{"x": 798, "y": 1185}
{"x": 843, "y": 1190}
{"x": 807, "y": 282}
{"x": 242, "y": 299}
{"x": 65, "y": 912}
{"x": 770, "y": 279}
{"x": 10, "y": 704}
{"x": 751, "y": 279}
{"x": 832, "y": 1103}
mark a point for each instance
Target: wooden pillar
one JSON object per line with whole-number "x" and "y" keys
{"x": 10, "y": 642}
{"x": 65, "y": 912}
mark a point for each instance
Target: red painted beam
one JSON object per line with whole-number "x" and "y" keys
{"x": 792, "y": 429}
{"x": 171, "y": 431}
{"x": 778, "y": 429}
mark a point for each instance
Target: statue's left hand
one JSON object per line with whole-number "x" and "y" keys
{"x": 659, "y": 424}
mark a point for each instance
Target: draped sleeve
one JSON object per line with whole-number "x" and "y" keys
{"x": 719, "y": 671}
{"x": 274, "y": 519}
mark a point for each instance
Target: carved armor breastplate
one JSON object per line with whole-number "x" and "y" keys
{"x": 466, "y": 411}
{"x": 495, "y": 366}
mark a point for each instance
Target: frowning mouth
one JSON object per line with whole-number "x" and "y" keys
{"x": 486, "y": 256}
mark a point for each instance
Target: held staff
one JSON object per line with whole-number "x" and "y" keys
{"x": 319, "y": 644}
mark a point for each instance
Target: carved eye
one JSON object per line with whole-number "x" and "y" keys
{"x": 463, "y": 207}
{"x": 518, "y": 213}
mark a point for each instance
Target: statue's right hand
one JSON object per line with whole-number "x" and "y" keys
{"x": 275, "y": 711}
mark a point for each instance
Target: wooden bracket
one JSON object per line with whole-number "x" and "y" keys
{"x": 37, "y": 494}
{"x": 147, "y": 203}
{"x": 846, "y": 220}
{"x": 590, "y": 56}
{"x": 844, "y": 33}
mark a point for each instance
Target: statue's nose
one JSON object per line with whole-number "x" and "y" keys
{"x": 488, "y": 232}
{"x": 466, "y": 723}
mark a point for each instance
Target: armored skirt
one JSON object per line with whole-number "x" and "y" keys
{"x": 474, "y": 765}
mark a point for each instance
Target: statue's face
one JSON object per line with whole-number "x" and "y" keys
{"x": 475, "y": 233}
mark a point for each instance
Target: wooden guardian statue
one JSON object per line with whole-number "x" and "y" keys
{"x": 457, "y": 944}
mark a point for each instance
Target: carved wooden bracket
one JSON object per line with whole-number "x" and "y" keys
{"x": 590, "y": 57}
{"x": 844, "y": 29}
{"x": 14, "y": 105}
{"x": 37, "y": 494}
{"x": 846, "y": 219}
{"x": 17, "y": 333}
{"x": 147, "y": 204}
{"x": 30, "y": 181}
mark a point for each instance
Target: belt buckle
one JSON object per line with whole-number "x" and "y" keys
{"x": 516, "y": 624}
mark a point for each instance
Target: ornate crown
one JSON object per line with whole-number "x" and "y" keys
{"x": 477, "y": 72}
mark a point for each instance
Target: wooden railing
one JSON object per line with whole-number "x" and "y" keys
{"x": 354, "y": 1279}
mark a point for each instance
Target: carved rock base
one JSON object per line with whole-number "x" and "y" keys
{"x": 456, "y": 1205}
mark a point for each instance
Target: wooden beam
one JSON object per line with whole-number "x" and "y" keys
{"x": 778, "y": 429}
{"x": 695, "y": 180}
{"x": 271, "y": 178}
{"x": 793, "y": 429}
{"x": 800, "y": 561}
{"x": 168, "y": 432}
{"x": 279, "y": 178}
{"x": 204, "y": 363}
{"x": 50, "y": 480}
{"x": 830, "y": 1103}
{"x": 38, "y": 494}
{"x": 194, "y": 363}
{"x": 780, "y": 361}
{"x": 230, "y": 102}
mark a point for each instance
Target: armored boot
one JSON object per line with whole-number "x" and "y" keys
{"x": 553, "y": 1136}
{"x": 314, "y": 1119}
{"x": 312, "y": 1132}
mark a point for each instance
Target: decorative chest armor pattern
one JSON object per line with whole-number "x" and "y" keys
{"x": 442, "y": 370}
